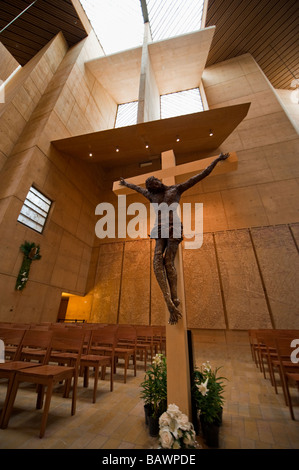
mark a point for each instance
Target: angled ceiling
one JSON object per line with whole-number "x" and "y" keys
{"x": 267, "y": 29}
{"x": 31, "y": 31}
{"x": 192, "y": 129}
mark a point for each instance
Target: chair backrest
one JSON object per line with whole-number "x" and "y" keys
{"x": 39, "y": 340}
{"x": 126, "y": 333}
{"x": 284, "y": 346}
{"x": 12, "y": 337}
{"x": 68, "y": 340}
{"x": 101, "y": 336}
{"x": 145, "y": 332}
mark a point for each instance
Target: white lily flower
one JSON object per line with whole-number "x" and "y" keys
{"x": 207, "y": 366}
{"x": 203, "y": 387}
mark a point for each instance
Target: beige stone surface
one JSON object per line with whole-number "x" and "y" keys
{"x": 243, "y": 207}
{"x": 135, "y": 285}
{"x": 202, "y": 287}
{"x": 280, "y": 200}
{"x": 295, "y": 232}
{"x": 107, "y": 283}
{"x": 244, "y": 299}
{"x": 279, "y": 263}
{"x": 25, "y": 89}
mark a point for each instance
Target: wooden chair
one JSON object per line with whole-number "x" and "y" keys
{"x": 289, "y": 371}
{"x": 48, "y": 375}
{"x": 31, "y": 339}
{"x": 126, "y": 347}
{"x": 145, "y": 342}
{"x": 96, "y": 360}
{"x": 160, "y": 339}
{"x": 12, "y": 338}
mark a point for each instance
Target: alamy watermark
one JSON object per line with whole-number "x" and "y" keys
{"x": 294, "y": 354}
{"x": 164, "y": 221}
{"x": 2, "y": 352}
{"x": 2, "y": 92}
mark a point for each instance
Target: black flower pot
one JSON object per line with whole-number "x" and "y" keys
{"x": 147, "y": 412}
{"x": 211, "y": 434}
{"x": 218, "y": 420}
{"x": 153, "y": 426}
{"x": 210, "y": 431}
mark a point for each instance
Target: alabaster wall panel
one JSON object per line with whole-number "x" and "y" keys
{"x": 202, "y": 287}
{"x": 214, "y": 217}
{"x": 107, "y": 283}
{"x": 280, "y": 200}
{"x": 282, "y": 159}
{"x": 245, "y": 303}
{"x": 135, "y": 284}
{"x": 243, "y": 207}
{"x": 279, "y": 263}
{"x": 295, "y": 232}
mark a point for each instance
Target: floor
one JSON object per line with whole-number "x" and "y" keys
{"x": 254, "y": 416}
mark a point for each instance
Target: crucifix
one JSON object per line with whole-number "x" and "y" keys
{"x": 168, "y": 265}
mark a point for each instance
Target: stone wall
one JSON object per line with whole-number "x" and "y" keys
{"x": 52, "y": 97}
{"x": 238, "y": 279}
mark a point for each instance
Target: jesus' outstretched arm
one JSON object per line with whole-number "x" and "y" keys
{"x": 139, "y": 189}
{"x": 200, "y": 176}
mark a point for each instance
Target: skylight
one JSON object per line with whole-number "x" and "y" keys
{"x": 182, "y": 102}
{"x": 170, "y": 18}
{"x": 119, "y": 24}
{"x": 126, "y": 114}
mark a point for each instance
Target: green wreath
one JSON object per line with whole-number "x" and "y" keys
{"x": 31, "y": 253}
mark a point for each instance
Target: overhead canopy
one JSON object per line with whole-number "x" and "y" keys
{"x": 192, "y": 129}
{"x": 177, "y": 63}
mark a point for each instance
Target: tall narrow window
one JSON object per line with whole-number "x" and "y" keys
{"x": 126, "y": 114}
{"x": 182, "y": 102}
{"x": 35, "y": 210}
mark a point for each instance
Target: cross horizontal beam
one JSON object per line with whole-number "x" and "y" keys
{"x": 185, "y": 170}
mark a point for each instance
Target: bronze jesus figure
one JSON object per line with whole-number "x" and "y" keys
{"x": 166, "y": 247}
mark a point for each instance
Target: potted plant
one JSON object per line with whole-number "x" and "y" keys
{"x": 208, "y": 396}
{"x": 176, "y": 432}
{"x": 154, "y": 392}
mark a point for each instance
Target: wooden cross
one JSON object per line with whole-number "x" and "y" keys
{"x": 178, "y": 373}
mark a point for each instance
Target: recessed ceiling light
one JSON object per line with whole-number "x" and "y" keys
{"x": 117, "y": 149}
{"x": 90, "y": 154}
{"x": 211, "y": 133}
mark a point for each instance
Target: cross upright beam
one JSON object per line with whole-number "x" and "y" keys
{"x": 177, "y": 355}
